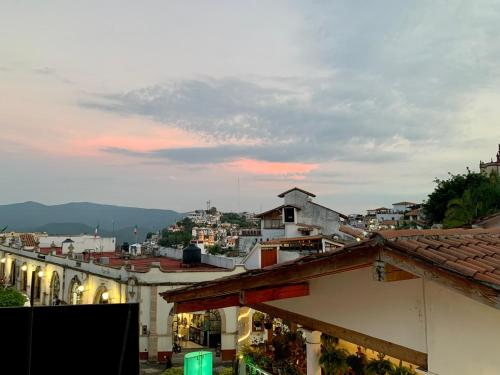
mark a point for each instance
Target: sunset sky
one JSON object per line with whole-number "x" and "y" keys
{"x": 166, "y": 104}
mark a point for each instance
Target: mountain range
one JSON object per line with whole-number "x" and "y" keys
{"x": 83, "y": 217}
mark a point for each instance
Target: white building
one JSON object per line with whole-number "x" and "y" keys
{"x": 299, "y": 216}
{"x": 110, "y": 278}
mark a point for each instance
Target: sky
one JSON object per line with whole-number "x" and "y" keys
{"x": 169, "y": 104}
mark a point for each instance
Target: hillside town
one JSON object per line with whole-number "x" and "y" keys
{"x": 377, "y": 289}
{"x": 250, "y": 187}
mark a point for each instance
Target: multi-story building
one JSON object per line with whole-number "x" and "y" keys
{"x": 299, "y": 216}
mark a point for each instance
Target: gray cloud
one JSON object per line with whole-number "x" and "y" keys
{"x": 396, "y": 78}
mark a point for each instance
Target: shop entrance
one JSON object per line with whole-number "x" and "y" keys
{"x": 196, "y": 330}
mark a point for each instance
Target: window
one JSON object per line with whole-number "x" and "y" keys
{"x": 289, "y": 213}
{"x": 55, "y": 287}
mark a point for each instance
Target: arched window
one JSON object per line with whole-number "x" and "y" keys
{"x": 24, "y": 277}
{"x": 55, "y": 287}
{"x": 75, "y": 291}
{"x": 101, "y": 295}
{"x": 37, "y": 278}
{"x": 13, "y": 272}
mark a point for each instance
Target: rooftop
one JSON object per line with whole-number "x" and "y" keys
{"x": 296, "y": 188}
{"x": 144, "y": 263}
{"x": 466, "y": 260}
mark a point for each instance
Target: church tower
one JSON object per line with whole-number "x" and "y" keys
{"x": 492, "y": 166}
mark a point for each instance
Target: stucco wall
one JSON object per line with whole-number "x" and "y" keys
{"x": 463, "y": 335}
{"x": 390, "y": 311}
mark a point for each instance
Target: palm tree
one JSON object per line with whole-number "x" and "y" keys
{"x": 462, "y": 210}
{"x": 333, "y": 359}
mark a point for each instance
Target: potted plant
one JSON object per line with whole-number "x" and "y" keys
{"x": 333, "y": 359}
{"x": 258, "y": 318}
{"x": 403, "y": 370}
{"x": 268, "y": 322}
{"x": 380, "y": 366}
{"x": 356, "y": 364}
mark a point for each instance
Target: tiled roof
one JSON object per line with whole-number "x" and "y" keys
{"x": 296, "y": 188}
{"x": 277, "y": 241}
{"x": 277, "y": 209}
{"x": 27, "y": 240}
{"x": 354, "y": 232}
{"x": 473, "y": 253}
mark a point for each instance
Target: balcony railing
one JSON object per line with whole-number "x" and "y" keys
{"x": 254, "y": 370}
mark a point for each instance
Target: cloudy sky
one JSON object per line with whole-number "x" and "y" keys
{"x": 169, "y": 103}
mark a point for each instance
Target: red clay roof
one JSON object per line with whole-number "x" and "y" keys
{"x": 27, "y": 240}
{"x": 144, "y": 263}
{"x": 473, "y": 253}
{"x": 354, "y": 232}
{"x": 296, "y": 188}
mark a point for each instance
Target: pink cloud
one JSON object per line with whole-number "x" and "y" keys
{"x": 296, "y": 170}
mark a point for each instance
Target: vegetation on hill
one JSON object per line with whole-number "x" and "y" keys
{"x": 237, "y": 219}
{"x": 181, "y": 237}
{"x": 463, "y": 198}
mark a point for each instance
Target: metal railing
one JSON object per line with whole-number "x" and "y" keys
{"x": 254, "y": 370}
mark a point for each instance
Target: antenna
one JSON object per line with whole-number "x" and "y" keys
{"x": 239, "y": 209}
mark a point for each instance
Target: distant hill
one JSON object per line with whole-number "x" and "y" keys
{"x": 82, "y": 217}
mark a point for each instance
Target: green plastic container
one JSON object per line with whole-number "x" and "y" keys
{"x": 198, "y": 363}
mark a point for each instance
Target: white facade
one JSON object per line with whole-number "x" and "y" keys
{"x": 300, "y": 216}
{"x": 122, "y": 285}
{"x": 458, "y": 334}
{"x": 80, "y": 243}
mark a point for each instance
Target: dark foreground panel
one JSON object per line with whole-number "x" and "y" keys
{"x": 81, "y": 339}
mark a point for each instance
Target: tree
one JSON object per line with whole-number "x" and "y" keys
{"x": 454, "y": 187}
{"x": 10, "y": 297}
{"x": 215, "y": 249}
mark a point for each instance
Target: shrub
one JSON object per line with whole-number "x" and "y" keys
{"x": 174, "y": 371}
{"x": 10, "y": 297}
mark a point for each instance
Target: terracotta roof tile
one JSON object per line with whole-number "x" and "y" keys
{"x": 468, "y": 252}
{"x": 433, "y": 243}
{"x": 432, "y": 255}
{"x": 460, "y": 268}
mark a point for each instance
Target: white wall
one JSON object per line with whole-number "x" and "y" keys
{"x": 81, "y": 243}
{"x": 252, "y": 260}
{"x": 463, "y": 335}
{"x": 391, "y": 311}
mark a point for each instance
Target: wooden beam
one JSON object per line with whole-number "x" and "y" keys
{"x": 393, "y": 273}
{"x": 455, "y": 281}
{"x": 394, "y": 350}
{"x": 207, "y": 304}
{"x": 324, "y": 264}
{"x": 274, "y": 293}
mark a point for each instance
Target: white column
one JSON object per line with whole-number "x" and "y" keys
{"x": 313, "y": 347}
